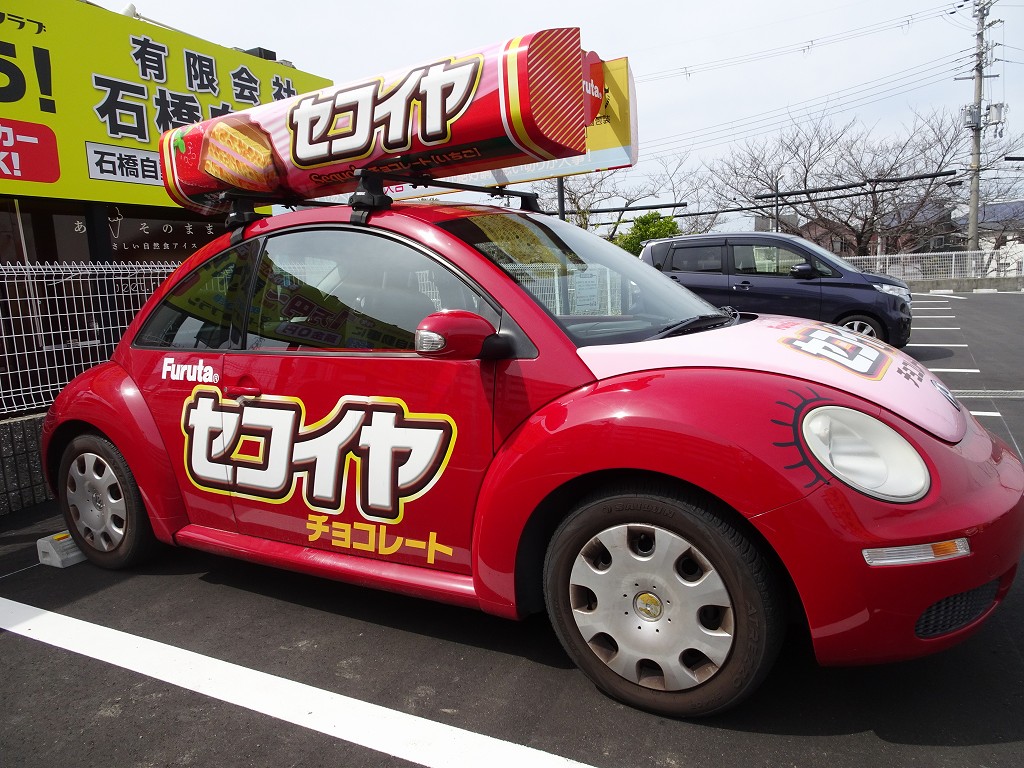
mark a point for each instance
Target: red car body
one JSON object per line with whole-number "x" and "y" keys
{"x": 519, "y": 439}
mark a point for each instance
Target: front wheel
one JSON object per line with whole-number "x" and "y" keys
{"x": 865, "y": 325}
{"x": 102, "y": 505}
{"x": 662, "y": 603}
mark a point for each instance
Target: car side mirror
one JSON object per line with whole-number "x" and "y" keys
{"x": 802, "y": 271}
{"x": 455, "y": 334}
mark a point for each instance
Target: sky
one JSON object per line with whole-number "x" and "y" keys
{"x": 707, "y": 74}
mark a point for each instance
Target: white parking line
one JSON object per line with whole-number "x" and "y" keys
{"x": 408, "y": 737}
{"x": 19, "y": 570}
{"x": 938, "y": 317}
{"x": 936, "y": 345}
{"x": 955, "y": 370}
{"x": 985, "y": 413}
{"x": 919, "y": 328}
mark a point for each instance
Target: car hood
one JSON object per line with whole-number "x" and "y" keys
{"x": 877, "y": 277}
{"x": 803, "y": 349}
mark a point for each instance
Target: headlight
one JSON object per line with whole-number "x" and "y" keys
{"x": 895, "y": 290}
{"x": 866, "y": 454}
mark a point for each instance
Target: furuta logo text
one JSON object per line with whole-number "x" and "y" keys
{"x": 197, "y": 372}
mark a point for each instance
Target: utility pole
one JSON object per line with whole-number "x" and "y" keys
{"x": 977, "y": 119}
{"x": 981, "y": 12}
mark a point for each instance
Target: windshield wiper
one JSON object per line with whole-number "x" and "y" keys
{"x": 690, "y": 324}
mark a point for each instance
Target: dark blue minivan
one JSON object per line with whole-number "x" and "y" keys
{"x": 773, "y": 273}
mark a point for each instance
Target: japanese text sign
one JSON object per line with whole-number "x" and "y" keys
{"x": 85, "y": 94}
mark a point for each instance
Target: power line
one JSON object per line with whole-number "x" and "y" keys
{"x": 801, "y": 47}
{"x": 771, "y": 119}
{"x": 713, "y": 141}
{"x": 898, "y": 181}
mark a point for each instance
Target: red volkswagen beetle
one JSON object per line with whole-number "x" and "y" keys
{"x": 496, "y": 409}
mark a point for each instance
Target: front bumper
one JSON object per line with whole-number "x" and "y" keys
{"x": 863, "y": 614}
{"x": 900, "y": 321}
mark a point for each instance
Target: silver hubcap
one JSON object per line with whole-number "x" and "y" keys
{"x": 860, "y": 327}
{"x": 652, "y": 607}
{"x": 96, "y": 502}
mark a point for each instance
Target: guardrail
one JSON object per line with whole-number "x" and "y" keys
{"x": 57, "y": 320}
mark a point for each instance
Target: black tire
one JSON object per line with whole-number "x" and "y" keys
{"x": 102, "y": 505}
{"x": 636, "y": 579}
{"x": 864, "y": 325}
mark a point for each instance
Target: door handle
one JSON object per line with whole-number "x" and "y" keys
{"x": 241, "y": 393}
{"x": 741, "y": 287}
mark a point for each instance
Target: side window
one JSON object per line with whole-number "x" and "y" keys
{"x": 823, "y": 269}
{"x": 659, "y": 255}
{"x": 203, "y": 309}
{"x": 697, "y": 258}
{"x": 766, "y": 260}
{"x": 341, "y": 289}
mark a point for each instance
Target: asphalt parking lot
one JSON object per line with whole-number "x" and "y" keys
{"x": 205, "y": 661}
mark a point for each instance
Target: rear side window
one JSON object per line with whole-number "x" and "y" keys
{"x": 202, "y": 311}
{"x": 659, "y": 254}
{"x": 697, "y": 258}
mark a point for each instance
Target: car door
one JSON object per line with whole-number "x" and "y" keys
{"x": 760, "y": 279}
{"x": 701, "y": 268}
{"x": 177, "y": 356}
{"x": 344, "y": 438}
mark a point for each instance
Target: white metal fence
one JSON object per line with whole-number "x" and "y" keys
{"x": 571, "y": 291}
{"x": 944, "y": 265}
{"x": 56, "y": 320}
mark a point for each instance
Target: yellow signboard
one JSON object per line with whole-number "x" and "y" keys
{"x": 85, "y": 94}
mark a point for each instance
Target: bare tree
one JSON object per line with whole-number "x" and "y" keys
{"x": 848, "y": 189}
{"x": 586, "y": 191}
{"x": 694, "y": 188}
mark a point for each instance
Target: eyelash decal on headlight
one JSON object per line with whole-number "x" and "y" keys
{"x": 793, "y": 425}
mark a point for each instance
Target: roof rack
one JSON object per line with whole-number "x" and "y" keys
{"x": 370, "y": 196}
{"x": 243, "y": 212}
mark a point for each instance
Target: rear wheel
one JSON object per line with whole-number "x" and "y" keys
{"x": 102, "y": 505}
{"x": 865, "y": 325}
{"x": 662, "y": 603}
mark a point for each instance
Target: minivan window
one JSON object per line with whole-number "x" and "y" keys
{"x": 823, "y": 269}
{"x": 838, "y": 260}
{"x": 770, "y": 260}
{"x": 697, "y": 258}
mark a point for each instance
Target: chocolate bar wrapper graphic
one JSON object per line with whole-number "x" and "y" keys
{"x": 239, "y": 154}
{"x": 518, "y": 102}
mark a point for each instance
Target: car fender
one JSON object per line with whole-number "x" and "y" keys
{"x": 115, "y": 408}
{"x": 729, "y": 433}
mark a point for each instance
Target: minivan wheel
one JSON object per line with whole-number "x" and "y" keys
{"x": 865, "y": 325}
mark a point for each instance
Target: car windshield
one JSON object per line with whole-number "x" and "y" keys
{"x": 597, "y": 292}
